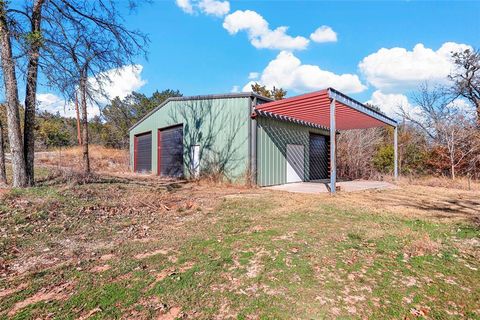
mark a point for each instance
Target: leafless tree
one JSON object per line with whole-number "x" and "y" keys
{"x": 460, "y": 139}
{"x": 355, "y": 152}
{"x": 82, "y": 44}
{"x": 12, "y": 102}
{"x": 32, "y": 27}
{"x": 445, "y": 124}
{"x": 466, "y": 77}
{"x": 33, "y": 43}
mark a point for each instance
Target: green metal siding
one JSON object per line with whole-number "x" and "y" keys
{"x": 272, "y": 139}
{"x": 219, "y": 126}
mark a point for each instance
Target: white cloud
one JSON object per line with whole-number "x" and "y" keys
{"x": 463, "y": 106}
{"x": 210, "y": 7}
{"x": 122, "y": 82}
{"x": 259, "y": 33}
{"x": 287, "y": 71}
{"x": 185, "y": 5}
{"x": 253, "y": 75}
{"x": 235, "y": 89}
{"x": 53, "y": 104}
{"x": 398, "y": 69}
{"x": 248, "y": 86}
{"x": 324, "y": 34}
{"x": 390, "y": 104}
{"x": 215, "y": 8}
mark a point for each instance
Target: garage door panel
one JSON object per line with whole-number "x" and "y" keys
{"x": 143, "y": 151}
{"x": 171, "y": 152}
{"x": 319, "y": 156}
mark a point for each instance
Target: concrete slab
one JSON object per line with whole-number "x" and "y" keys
{"x": 323, "y": 186}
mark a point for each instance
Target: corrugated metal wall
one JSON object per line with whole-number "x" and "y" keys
{"x": 272, "y": 139}
{"x": 219, "y": 126}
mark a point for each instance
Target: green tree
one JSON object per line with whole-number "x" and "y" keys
{"x": 275, "y": 93}
{"x": 53, "y": 134}
{"x": 383, "y": 159}
{"x": 121, "y": 114}
{"x": 53, "y": 131}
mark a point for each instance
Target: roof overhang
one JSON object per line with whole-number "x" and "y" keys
{"x": 314, "y": 108}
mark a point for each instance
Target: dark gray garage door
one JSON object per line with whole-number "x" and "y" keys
{"x": 319, "y": 156}
{"x": 171, "y": 152}
{"x": 143, "y": 152}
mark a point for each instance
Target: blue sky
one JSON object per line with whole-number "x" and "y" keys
{"x": 365, "y": 49}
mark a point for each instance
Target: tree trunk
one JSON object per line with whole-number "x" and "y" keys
{"x": 86, "y": 158}
{"x": 477, "y": 105}
{"x": 11, "y": 93}
{"x": 3, "y": 171}
{"x": 31, "y": 92}
{"x": 79, "y": 130}
{"x": 452, "y": 170}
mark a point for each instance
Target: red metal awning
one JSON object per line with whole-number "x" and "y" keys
{"x": 314, "y": 108}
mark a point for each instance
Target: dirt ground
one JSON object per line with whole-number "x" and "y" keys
{"x": 130, "y": 246}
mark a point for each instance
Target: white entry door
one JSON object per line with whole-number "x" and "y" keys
{"x": 295, "y": 162}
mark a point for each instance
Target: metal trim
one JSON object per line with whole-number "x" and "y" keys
{"x": 333, "y": 145}
{"x": 253, "y": 140}
{"x": 354, "y": 104}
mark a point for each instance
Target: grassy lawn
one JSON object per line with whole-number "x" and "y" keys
{"x": 138, "y": 249}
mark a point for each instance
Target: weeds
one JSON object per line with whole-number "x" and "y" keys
{"x": 147, "y": 248}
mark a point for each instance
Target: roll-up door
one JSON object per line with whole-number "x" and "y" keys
{"x": 171, "y": 151}
{"x": 143, "y": 152}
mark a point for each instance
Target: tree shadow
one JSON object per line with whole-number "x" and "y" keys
{"x": 287, "y": 133}
{"x": 440, "y": 206}
{"x": 211, "y": 125}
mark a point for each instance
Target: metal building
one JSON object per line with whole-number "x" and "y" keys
{"x": 247, "y": 136}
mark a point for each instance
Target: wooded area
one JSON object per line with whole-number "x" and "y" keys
{"x": 73, "y": 45}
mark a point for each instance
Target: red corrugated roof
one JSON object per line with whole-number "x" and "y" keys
{"x": 315, "y": 108}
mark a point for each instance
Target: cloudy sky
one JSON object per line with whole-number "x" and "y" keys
{"x": 374, "y": 51}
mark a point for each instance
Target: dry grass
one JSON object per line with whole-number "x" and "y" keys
{"x": 462, "y": 183}
{"x": 146, "y": 248}
{"x": 102, "y": 159}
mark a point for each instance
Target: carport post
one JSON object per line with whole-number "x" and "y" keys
{"x": 395, "y": 152}
{"x": 333, "y": 164}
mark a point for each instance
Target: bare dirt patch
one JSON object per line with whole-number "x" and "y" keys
{"x": 171, "y": 314}
{"x": 151, "y": 254}
{"x": 6, "y": 292}
{"x": 99, "y": 269}
{"x": 58, "y": 292}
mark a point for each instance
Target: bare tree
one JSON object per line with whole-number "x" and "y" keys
{"x": 445, "y": 124}
{"x": 82, "y": 47}
{"x": 33, "y": 52}
{"x": 32, "y": 28}
{"x": 457, "y": 134}
{"x": 466, "y": 78}
{"x": 355, "y": 152}
{"x": 12, "y": 102}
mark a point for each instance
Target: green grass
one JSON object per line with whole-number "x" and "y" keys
{"x": 250, "y": 258}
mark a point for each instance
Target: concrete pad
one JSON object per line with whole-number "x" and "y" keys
{"x": 323, "y": 186}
